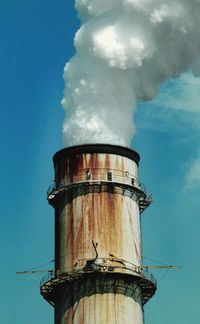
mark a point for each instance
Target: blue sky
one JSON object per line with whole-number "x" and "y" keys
{"x": 36, "y": 41}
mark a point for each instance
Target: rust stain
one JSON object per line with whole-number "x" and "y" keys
{"x": 107, "y": 162}
{"x": 103, "y": 217}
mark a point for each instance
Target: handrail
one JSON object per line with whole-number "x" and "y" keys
{"x": 144, "y": 199}
{"x": 49, "y": 276}
{"x": 135, "y": 271}
{"x": 78, "y": 180}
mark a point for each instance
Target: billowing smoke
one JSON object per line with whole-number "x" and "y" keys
{"x": 125, "y": 50}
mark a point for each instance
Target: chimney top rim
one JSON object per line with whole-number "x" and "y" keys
{"x": 97, "y": 148}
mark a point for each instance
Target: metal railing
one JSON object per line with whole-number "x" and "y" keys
{"x": 127, "y": 268}
{"x": 101, "y": 175}
{"x": 147, "y": 275}
{"x": 48, "y": 277}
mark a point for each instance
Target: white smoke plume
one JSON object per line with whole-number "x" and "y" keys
{"x": 125, "y": 49}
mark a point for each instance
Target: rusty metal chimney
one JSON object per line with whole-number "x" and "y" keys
{"x": 98, "y": 200}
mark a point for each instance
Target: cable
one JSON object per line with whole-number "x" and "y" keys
{"x": 163, "y": 275}
{"x": 40, "y": 265}
{"x": 153, "y": 260}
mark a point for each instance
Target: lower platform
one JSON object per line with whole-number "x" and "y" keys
{"x": 101, "y": 280}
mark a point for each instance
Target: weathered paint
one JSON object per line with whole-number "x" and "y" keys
{"x": 92, "y": 307}
{"x": 110, "y": 219}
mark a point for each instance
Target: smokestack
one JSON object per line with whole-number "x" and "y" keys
{"x": 98, "y": 200}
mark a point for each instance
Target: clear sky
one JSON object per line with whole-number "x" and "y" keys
{"x": 36, "y": 41}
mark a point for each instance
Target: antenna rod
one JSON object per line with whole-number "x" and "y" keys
{"x": 161, "y": 267}
{"x": 34, "y": 271}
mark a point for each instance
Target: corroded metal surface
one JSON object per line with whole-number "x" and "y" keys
{"x": 111, "y": 220}
{"x": 90, "y": 304}
{"x": 91, "y": 225}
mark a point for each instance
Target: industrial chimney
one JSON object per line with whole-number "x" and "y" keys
{"x": 98, "y": 200}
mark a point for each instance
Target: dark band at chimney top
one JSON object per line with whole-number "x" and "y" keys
{"x": 98, "y": 148}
